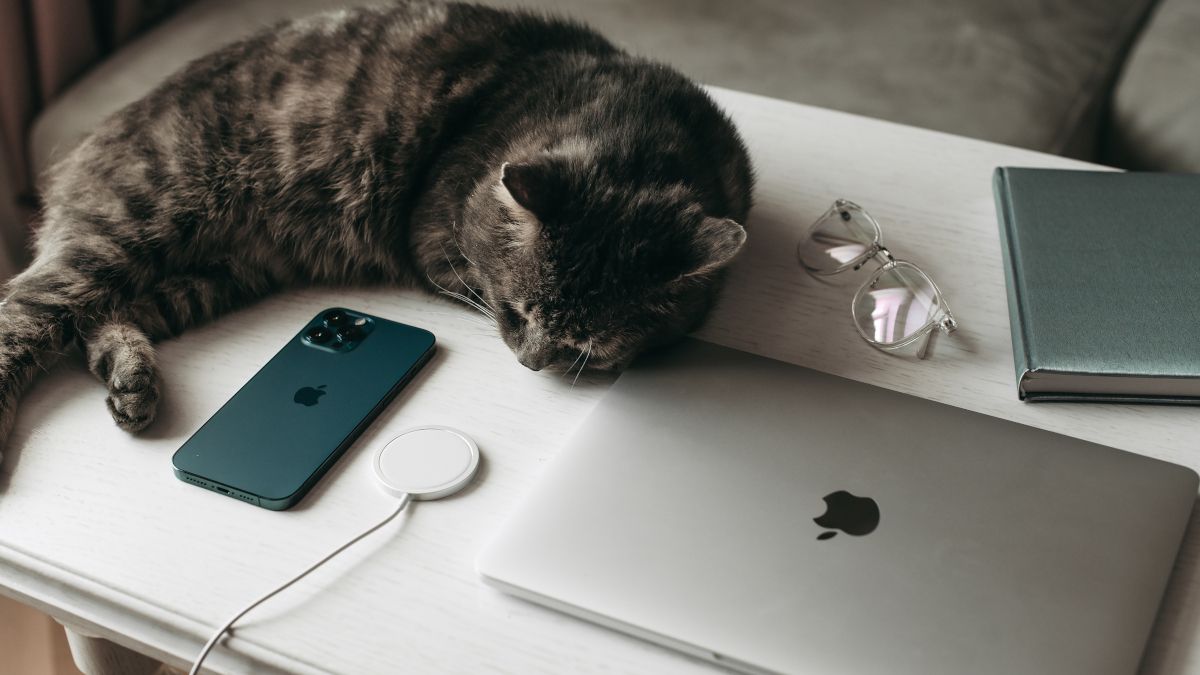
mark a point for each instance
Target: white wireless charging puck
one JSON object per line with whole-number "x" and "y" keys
{"x": 428, "y": 462}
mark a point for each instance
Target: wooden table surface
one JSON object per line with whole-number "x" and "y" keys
{"x": 95, "y": 530}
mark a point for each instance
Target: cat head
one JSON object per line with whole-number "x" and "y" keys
{"x": 583, "y": 265}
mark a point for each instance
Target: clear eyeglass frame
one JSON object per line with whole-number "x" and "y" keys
{"x": 940, "y": 320}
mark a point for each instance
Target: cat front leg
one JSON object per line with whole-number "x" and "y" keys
{"x": 121, "y": 355}
{"x": 119, "y": 347}
{"x": 36, "y": 323}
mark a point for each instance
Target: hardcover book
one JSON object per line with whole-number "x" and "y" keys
{"x": 1103, "y": 274}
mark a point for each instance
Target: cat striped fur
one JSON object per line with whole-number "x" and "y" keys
{"x": 585, "y": 199}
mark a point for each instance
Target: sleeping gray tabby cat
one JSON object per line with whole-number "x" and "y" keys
{"x": 584, "y": 199}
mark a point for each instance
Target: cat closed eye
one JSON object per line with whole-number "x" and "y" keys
{"x": 515, "y": 316}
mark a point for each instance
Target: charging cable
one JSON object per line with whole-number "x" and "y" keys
{"x": 423, "y": 463}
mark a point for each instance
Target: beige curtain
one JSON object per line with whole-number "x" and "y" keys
{"x": 44, "y": 44}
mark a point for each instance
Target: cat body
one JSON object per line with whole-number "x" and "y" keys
{"x": 583, "y": 199}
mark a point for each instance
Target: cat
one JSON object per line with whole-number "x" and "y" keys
{"x": 585, "y": 200}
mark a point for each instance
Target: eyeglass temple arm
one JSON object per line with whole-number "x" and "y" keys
{"x": 926, "y": 342}
{"x": 946, "y": 324}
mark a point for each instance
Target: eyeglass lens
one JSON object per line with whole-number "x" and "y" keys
{"x": 900, "y": 303}
{"x": 841, "y": 237}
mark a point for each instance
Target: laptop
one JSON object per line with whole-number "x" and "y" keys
{"x": 775, "y": 519}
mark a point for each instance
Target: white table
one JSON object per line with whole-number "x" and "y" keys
{"x": 96, "y": 531}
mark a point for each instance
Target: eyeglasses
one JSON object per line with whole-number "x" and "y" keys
{"x": 899, "y": 304}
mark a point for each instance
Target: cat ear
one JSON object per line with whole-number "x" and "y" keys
{"x": 717, "y": 241}
{"x": 533, "y": 187}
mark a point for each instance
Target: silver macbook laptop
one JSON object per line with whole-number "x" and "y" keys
{"x": 776, "y": 519}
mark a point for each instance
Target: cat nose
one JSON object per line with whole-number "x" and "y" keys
{"x": 534, "y": 359}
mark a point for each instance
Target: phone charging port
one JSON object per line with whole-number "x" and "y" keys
{"x": 222, "y": 490}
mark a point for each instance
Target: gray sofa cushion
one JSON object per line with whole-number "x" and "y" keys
{"x": 1155, "y": 120}
{"x": 1030, "y": 73}
{"x": 1024, "y": 72}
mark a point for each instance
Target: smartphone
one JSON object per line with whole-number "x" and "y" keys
{"x": 271, "y": 442}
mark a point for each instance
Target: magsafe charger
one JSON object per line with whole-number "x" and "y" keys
{"x": 422, "y": 463}
{"x": 427, "y": 462}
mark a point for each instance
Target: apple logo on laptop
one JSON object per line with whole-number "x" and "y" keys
{"x": 307, "y": 396}
{"x": 850, "y": 514}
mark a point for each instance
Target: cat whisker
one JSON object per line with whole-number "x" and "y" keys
{"x": 459, "y": 296}
{"x": 586, "y": 356}
{"x": 469, "y": 318}
{"x": 454, "y": 238}
{"x": 474, "y": 321}
{"x": 568, "y": 370}
{"x": 470, "y": 290}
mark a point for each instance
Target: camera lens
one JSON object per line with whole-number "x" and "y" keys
{"x": 336, "y": 318}
{"x": 350, "y": 334}
{"x": 319, "y": 335}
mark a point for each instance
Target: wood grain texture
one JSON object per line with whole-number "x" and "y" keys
{"x": 94, "y": 528}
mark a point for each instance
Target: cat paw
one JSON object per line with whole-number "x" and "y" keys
{"x": 121, "y": 355}
{"x": 133, "y": 399}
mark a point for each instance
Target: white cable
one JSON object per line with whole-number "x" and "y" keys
{"x": 425, "y": 463}
{"x": 212, "y": 642}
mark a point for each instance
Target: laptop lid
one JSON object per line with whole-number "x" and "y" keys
{"x": 946, "y": 541}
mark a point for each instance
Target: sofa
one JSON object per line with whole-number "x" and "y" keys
{"x": 1111, "y": 81}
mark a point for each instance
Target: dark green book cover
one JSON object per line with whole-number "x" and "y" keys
{"x": 1103, "y": 274}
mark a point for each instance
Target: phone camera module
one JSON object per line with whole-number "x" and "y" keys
{"x": 350, "y": 334}
{"x": 319, "y": 335}
{"x": 336, "y": 319}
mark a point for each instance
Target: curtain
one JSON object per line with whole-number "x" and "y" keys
{"x": 44, "y": 45}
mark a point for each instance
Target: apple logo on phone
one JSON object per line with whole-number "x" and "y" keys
{"x": 853, "y": 515}
{"x": 307, "y": 396}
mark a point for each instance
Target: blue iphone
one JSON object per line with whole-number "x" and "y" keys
{"x": 271, "y": 442}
